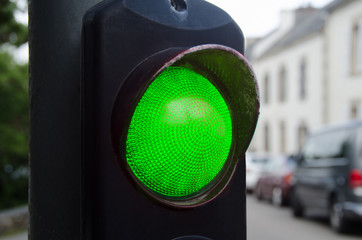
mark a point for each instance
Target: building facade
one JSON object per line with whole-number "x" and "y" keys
{"x": 309, "y": 74}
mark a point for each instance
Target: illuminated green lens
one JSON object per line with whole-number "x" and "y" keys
{"x": 180, "y": 134}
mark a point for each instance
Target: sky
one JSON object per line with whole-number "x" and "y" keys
{"x": 256, "y": 18}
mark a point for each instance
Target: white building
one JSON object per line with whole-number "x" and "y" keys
{"x": 309, "y": 72}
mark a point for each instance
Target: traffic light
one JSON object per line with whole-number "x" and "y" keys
{"x": 169, "y": 108}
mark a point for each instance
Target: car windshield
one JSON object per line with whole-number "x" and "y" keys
{"x": 291, "y": 162}
{"x": 359, "y": 147}
{"x": 281, "y": 164}
{"x": 259, "y": 160}
{"x": 256, "y": 160}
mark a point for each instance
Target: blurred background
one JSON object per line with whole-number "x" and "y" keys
{"x": 307, "y": 56}
{"x": 14, "y": 124}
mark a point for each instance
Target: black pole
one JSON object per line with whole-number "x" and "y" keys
{"x": 55, "y": 56}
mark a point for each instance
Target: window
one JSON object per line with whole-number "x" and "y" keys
{"x": 302, "y": 134}
{"x": 302, "y": 80}
{"x": 266, "y": 137}
{"x": 356, "y": 50}
{"x": 266, "y": 89}
{"x": 354, "y": 110}
{"x": 282, "y": 137}
{"x": 282, "y": 84}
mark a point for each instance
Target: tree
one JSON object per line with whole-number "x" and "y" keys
{"x": 11, "y": 31}
{"x": 13, "y": 111}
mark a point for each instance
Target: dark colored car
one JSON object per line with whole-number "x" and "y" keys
{"x": 274, "y": 184}
{"x": 328, "y": 177}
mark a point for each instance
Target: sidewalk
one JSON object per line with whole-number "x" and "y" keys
{"x": 14, "y": 220}
{"x": 19, "y": 236}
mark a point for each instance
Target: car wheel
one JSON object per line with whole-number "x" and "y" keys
{"x": 297, "y": 207}
{"x": 336, "y": 217}
{"x": 277, "y": 197}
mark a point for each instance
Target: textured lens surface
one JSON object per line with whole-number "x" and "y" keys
{"x": 180, "y": 134}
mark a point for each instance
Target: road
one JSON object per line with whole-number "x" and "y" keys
{"x": 267, "y": 222}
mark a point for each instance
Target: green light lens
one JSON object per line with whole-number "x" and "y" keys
{"x": 180, "y": 134}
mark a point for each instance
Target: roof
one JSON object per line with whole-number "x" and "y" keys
{"x": 250, "y": 47}
{"x": 310, "y": 22}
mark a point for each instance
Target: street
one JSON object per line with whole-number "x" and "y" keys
{"x": 267, "y": 222}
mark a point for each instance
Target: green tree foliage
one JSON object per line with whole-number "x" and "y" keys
{"x": 10, "y": 30}
{"x": 13, "y": 111}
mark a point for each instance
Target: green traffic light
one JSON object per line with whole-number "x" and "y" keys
{"x": 180, "y": 134}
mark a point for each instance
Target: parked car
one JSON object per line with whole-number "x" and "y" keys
{"x": 255, "y": 164}
{"x": 328, "y": 175}
{"x": 274, "y": 184}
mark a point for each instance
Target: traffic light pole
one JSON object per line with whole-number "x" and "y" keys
{"x": 55, "y": 72}
{"x": 90, "y": 70}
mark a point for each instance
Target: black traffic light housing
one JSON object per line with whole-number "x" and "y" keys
{"x": 125, "y": 44}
